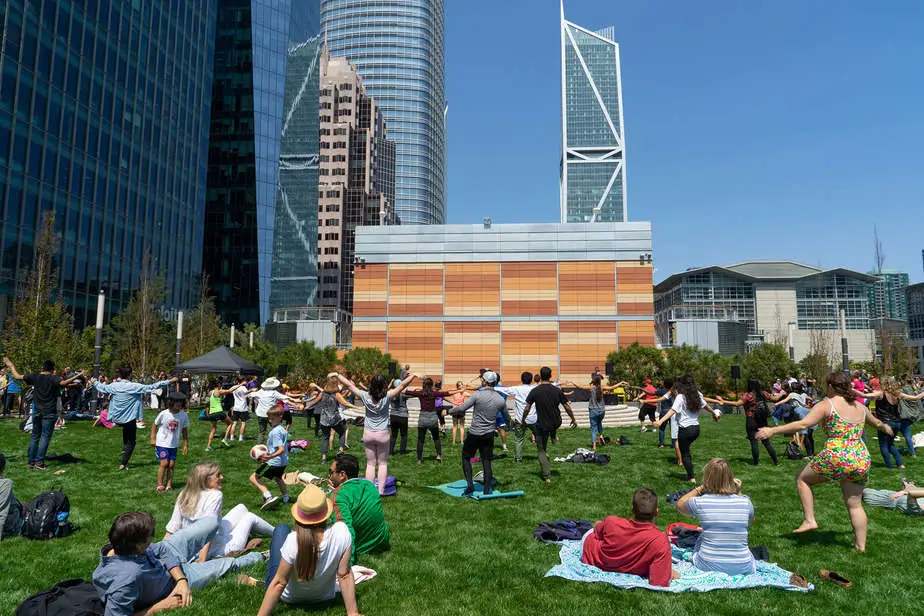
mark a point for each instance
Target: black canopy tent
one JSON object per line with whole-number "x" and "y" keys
{"x": 220, "y": 361}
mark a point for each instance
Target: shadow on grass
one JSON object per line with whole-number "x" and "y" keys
{"x": 818, "y": 537}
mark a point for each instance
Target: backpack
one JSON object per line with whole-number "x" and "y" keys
{"x": 68, "y": 598}
{"x": 793, "y": 452}
{"x": 763, "y": 410}
{"x": 227, "y": 402}
{"x": 46, "y": 517}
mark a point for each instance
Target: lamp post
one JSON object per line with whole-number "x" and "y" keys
{"x": 232, "y": 335}
{"x": 251, "y": 340}
{"x": 179, "y": 335}
{"x": 844, "y": 355}
{"x": 98, "y": 345}
{"x": 792, "y": 350}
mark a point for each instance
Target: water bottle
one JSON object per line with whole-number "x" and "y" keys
{"x": 62, "y": 524}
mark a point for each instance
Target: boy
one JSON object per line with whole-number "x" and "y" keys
{"x": 273, "y": 464}
{"x": 165, "y": 437}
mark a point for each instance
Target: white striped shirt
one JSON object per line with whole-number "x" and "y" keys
{"x": 723, "y": 545}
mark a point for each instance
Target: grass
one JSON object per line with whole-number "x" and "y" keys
{"x": 453, "y": 556}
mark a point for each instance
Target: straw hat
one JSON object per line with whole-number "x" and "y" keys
{"x": 270, "y": 383}
{"x": 312, "y": 506}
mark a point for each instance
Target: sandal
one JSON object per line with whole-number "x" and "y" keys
{"x": 797, "y": 579}
{"x": 833, "y": 576}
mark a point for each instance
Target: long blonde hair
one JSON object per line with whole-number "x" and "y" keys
{"x": 893, "y": 387}
{"x": 718, "y": 477}
{"x": 308, "y": 539}
{"x": 196, "y": 482}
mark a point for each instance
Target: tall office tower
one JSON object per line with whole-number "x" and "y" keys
{"x": 104, "y": 112}
{"x": 397, "y": 47}
{"x": 357, "y": 176}
{"x": 593, "y": 165}
{"x": 887, "y": 295}
{"x": 261, "y": 210}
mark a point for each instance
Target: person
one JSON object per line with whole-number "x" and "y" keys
{"x": 273, "y": 463}
{"x": 326, "y": 401}
{"x": 547, "y": 398}
{"x": 888, "y": 401}
{"x": 724, "y": 514}
{"x": 687, "y": 405}
{"x": 647, "y": 407}
{"x": 125, "y": 407}
{"x": 666, "y": 392}
{"x": 202, "y": 498}
{"x": 215, "y": 412}
{"x": 135, "y": 576}
{"x": 756, "y": 403}
{"x": 46, "y": 386}
{"x": 458, "y": 423}
{"x": 426, "y": 420}
{"x": 910, "y": 412}
{"x": 309, "y": 565}
{"x": 521, "y": 425}
{"x": 11, "y": 394}
{"x": 267, "y": 397}
{"x": 11, "y": 511}
{"x": 376, "y": 439}
{"x": 909, "y": 500}
{"x": 166, "y": 430}
{"x": 398, "y": 420}
{"x": 844, "y": 459}
{"x": 357, "y": 504}
{"x": 634, "y": 546}
{"x": 596, "y": 407}
{"x": 240, "y": 411}
{"x": 486, "y": 404}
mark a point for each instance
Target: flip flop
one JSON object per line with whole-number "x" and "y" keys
{"x": 833, "y": 576}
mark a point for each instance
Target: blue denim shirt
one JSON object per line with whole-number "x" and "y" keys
{"x": 125, "y": 404}
{"x": 127, "y": 584}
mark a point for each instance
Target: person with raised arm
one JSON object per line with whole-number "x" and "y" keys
{"x": 687, "y": 405}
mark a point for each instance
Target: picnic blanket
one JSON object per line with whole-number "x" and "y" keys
{"x": 456, "y": 488}
{"x": 691, "y": 579}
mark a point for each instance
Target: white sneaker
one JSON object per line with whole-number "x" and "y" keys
{"x": 505, "y": 448}
{"x": 644, "y": 429}
{"x": 269, "y": 503}
{"x": 225, "y": 442}
{"x": 240, "y": 438}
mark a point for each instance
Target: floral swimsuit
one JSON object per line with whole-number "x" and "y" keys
{"x": 845, "y": 456}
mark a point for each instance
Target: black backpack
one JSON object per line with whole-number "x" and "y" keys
{"x": 793, "y": 452}
{"x": 763, "y": 410}
{"x": 46, "y": 517}
{"x": 69, "y": 598}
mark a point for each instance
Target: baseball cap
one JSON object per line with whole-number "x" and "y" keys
{"x": 489, "y": 377}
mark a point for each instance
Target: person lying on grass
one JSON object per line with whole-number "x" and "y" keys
{"x": 909, "y": 500}
{"x": 634, "y": 546}
{"x": 138, "y": 578}
{"x": 358, "y": 505}
{"x": 11, "y": 513}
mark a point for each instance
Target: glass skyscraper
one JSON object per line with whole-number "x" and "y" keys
{"x": 593, "y": 166}
{"x": 398, "y": 49}
{"x": 261, "y": 212}
{"x": 104, "y": 108}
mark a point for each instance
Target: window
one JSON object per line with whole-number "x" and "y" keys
{"x": 331, "y": 250}
{"x": 332, "y": 208}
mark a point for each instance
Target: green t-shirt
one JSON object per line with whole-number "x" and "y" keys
{"x": 360, "y": 507}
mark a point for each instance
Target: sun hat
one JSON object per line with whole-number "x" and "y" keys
{"x": 312, "y": 506}
{"x": 270, "y": 383}
{"x": 490, "y": 377}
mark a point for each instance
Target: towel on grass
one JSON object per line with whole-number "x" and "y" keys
{"x": 456, "y": 488}
{"x": 691, "y": 579}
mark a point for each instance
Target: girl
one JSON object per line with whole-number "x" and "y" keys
{"x": 427, "y": 419}
{"x": 755, "y": 402}
{"x": 240, "y": 412}
{"x": 687, "y": 405}
{"x": 215, "y": 413}
{"x": 458, "y": 422}
{"x": 324, "y": 403}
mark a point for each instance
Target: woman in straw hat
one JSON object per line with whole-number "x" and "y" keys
{"x": 310, "y": 564}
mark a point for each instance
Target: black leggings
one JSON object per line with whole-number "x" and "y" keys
{"x": 422, "y": 434}
{"x": 809, "y": 441}
{"x": 317, "y": 424}
{"x": 129, "y": 434}
{"x": 685, "y": 438}
{"x": 398, "y": 425}
{"x": 484, "y": 445}
{"x": 752, "y": 426}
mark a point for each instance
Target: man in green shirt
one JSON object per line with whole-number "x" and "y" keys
{"x": 357, "y": 504}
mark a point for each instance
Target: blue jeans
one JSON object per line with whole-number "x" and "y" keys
{"x": 279, "y": 537}
{"x": 596, "y": 425}
{"x": 43, "y": 426}
{"x": 186, "y": 545}
{"x": 905, "y": 429}
{"x": 887, "y": 445}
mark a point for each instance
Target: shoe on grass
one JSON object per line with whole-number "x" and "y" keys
{"x": 269, "y": 503}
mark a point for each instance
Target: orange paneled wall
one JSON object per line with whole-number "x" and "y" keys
{"x": 584, "y": 345}
{"x": 472, "y": 289}
{"x": 418, "y": 343}
{"x": 529, "y": 289}
{"x": 635, "y": 293}
{"x": 527, "y": 345}
{"x": 415, "y": 289}
{"x": 370, "y": 290}
{"x": 469, "y": 346}
{"x": 587, "y": 288}
{"x": 370, "y": 334}
{"x": 636, "y": 331}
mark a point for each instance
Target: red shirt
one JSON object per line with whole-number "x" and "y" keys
{"x": 627, "y": 546}
{"x": 649, "y": 393}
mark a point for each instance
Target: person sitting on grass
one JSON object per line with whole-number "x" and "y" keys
{"x": 135, "y": 576}
{"x": 165, "y": 438}
{"x": 634, "y": 546}
{"x": 358, "y": 505}
{"x": 725, "y": 514}
{"x": 273, "y": 463}
{"x": 11, "y": 512}
{"x": 909, "y": 500}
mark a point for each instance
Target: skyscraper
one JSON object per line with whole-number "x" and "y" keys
{"x": 261, "y": 212}
{"x": 593, "y": 165}
{"x": 887, "y": 295}
{"x": 398, "y": 49}
{"x": 104, "y": 112}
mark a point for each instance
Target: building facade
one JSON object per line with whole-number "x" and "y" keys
{"x": 593, "y": 165}
{"x": 259, "y": 247}
{"x": 914, "y": 295}
{"x": 104, "y": 112}
{"x": 397, "y": 47}
{"x": 887, "y": 295}
{"x": 357, "y": 176}
{"x": 452, "y": 299}
{"x": 795, "y": 305}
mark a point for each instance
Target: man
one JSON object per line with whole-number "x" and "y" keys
{"x": 519, "y": 393}
{"x": 910, "y": 500}
{"x": 547, "y": 398}
{"x": 634, "y": 546}
{"x": 487, "y": 404}
{"x": 647, "y": 408}
{"x": 125, "y": 407}
{"x": 46, "y": 387}
{"x": 358, "y": 505}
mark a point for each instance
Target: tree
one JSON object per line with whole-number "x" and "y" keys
{"x": 139, "y": 333}
{"x": 262, "y": 353}
{"x": 816, "y": 366}
{"x": 899, "y": 357}
{"x": 635, "y": 363}
{"x": 709, "y": 369}
{"x": 870, "y": 367}
{"x": 307, "y": 362}
{"x": 201, "y": 326}
{"x": 768, "y": 362}
{"x": 363, "y": 363}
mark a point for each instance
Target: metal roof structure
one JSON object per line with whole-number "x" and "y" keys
{"x": 769, "y": 270}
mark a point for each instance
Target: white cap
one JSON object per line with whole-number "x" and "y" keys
{"x": 490, "y": 377}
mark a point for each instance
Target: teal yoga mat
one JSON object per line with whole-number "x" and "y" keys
{"x": 456, "y": 488}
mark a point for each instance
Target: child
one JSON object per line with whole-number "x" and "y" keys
{"x": 273, "y": 464}
{"x": 458, "y": 423}
{"x": 165, "y": 437}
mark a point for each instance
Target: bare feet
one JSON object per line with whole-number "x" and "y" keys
{"x": 805, "y": 527}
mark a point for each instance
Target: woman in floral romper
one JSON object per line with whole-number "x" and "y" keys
{"x": 845, "y": 457}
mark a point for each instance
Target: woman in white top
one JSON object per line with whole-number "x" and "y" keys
{"x": 241, "y": 410}
{"x": 310, "y": 564}
{"x": 202, "y": 498}
{"x": 687, "y": 405}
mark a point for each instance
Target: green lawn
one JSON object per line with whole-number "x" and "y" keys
{"x": 454, "y": 556}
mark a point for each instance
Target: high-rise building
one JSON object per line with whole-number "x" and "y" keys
{"x": 887, "y": 295}
{"x": 593, "y": 164}
{"x": 398, "y": 49}
{"x": 104, "y": 112}
{"x": 261, "y": 212}
{"x": 357, "y": 176}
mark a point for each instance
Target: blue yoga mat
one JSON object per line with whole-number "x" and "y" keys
{"x": 456, "y": 488}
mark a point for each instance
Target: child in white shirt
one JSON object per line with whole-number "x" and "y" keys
{"x": 165, "y": 437}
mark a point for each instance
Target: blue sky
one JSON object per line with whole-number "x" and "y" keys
{"x": 754, "y": 129}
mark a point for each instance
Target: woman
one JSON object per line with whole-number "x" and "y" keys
{"x": 325, "y": 404}
{"x": 910, "y": 412}
{"x": 844, "y": 459}
{"x": 398, "y": 418}
{"x": 888, "y": 400}
{"x": 376, "y": 402}
{"x": 427, "y": 419}
{"x": 724, "y": 513}
{"x": 687, "y": 405}
{"x": 756, "y": 416}
{"x": 458, "y": 423}
{"x": 240, "y": 411}
{"x": 797, "y": 401}
{"x": 596, "y": 406}
{"x": 307, "y": 564}
{"x": 202, "y": 498}
{"x": 215, "y": 412}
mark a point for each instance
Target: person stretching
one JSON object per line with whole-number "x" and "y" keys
{"x": 687, "y": 405}
{"x": 756, "y": 403}
{"x": 427, "y": 419}
{"x": 486, "y": 404}
{"x": 547, "y": 398}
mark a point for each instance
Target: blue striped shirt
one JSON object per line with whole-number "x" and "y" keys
{"x": 723, "y": 544}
